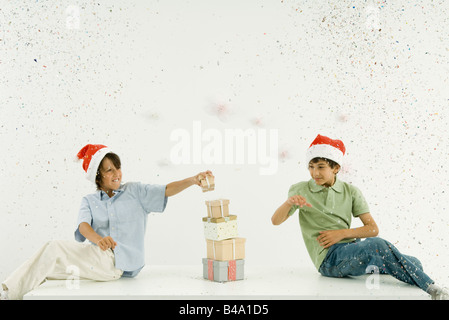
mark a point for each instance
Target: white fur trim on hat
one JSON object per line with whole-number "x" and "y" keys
{"x": 91, "y": 172}
{"x": 324, "y": 151}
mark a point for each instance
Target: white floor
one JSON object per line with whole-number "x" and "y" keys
{"x": 177, "y": 282}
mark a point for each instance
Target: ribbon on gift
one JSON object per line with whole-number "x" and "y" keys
{"x": 207, "y": 180}
{"x": 210, "y": 269}
{"x": 232, "y": 266}
{"x": 232, "y": 270}
{"x": 208, "y": 184}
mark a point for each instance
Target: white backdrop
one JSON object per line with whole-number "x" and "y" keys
{"x": 129, "y": 73}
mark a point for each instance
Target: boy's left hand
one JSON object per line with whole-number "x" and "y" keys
{"x": 330, "y": 237}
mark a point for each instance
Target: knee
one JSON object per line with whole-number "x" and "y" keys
{"x": 53, "y": 244}
{"x": 379, "y": 245}
{"x": 418, "y": 264}
{"x": 376, "y": 242}
{"x": 415, "y": 261}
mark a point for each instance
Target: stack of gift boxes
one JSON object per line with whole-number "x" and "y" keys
{"x": 225, "y": 250}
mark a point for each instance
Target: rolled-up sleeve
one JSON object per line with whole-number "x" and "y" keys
{"x": 292, "y": 192}
{"x": 152, "y": 197}
{"x": 84, "y": 215}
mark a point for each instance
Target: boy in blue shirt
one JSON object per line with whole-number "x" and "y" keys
{"x": 113, "y": 220}
{"x": 326, "y": 205}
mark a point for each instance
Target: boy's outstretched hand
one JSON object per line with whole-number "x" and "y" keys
{"x": 281, "y": 213}
{"x": 177, "y": 186}
{"x": 298, "y": 200}
{"x": 200, "y": 176}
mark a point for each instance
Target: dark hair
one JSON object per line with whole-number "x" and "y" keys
{"x": 331, "y": 163}
{"x": 115, "y": 161}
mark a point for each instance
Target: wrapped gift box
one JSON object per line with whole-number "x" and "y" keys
{"x": 222, "y": 271}
{"x": 217, "y": 208}
{"x": 208, "y": 184}
{"x": 229, "y": 249}
{"x": 220, "y": 228}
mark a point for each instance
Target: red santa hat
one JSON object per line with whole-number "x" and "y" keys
{"x": 324, "y": 147}
{"x": 92, "y": 154}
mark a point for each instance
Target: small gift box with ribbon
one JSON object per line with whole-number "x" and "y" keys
{"x": 225, "y": 250}
{"x": 220, "y": 228}
{"x": 208, "y": 183}
{"x": 223, "y": 271}
{"x": 217, "y": 208}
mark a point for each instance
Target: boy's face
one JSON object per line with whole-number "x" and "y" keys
{"x": 322, "y": 173}
{"x": 111, "y": 177}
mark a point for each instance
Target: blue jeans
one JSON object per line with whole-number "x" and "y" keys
{"x": 360, "y": 257}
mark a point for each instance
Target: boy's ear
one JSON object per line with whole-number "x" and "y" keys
{"x": 338, "y": 168}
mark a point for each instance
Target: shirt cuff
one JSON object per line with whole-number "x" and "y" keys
{"x": 78, "y": 236}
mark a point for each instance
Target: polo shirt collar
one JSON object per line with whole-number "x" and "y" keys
{"x": 338, "y": 186}
{"x": 103, "y": 194}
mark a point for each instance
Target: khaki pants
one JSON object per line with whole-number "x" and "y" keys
{"x": 60, "y": 260}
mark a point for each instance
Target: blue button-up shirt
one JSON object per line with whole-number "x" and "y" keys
{"x": 124, "y": 218}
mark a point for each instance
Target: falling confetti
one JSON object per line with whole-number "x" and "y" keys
{"x": 258, "y": 121}
{"x": 221, "y": 110}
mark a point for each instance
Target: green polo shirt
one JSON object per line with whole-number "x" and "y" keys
{"x": 332, "y": 209}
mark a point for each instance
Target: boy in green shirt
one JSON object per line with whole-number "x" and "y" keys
{"x": 326, "y": 206}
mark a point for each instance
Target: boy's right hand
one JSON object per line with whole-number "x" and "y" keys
{"x": 106, "y": 243}
{"x": 200, "y": 176}
{"x": 298, "y": 201}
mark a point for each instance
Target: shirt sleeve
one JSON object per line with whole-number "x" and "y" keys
{"x": 359, "y": 204}
{"x": 84, "y": 215}
{"x": 291, "y": 192}
{"x": 152, "y": 197}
